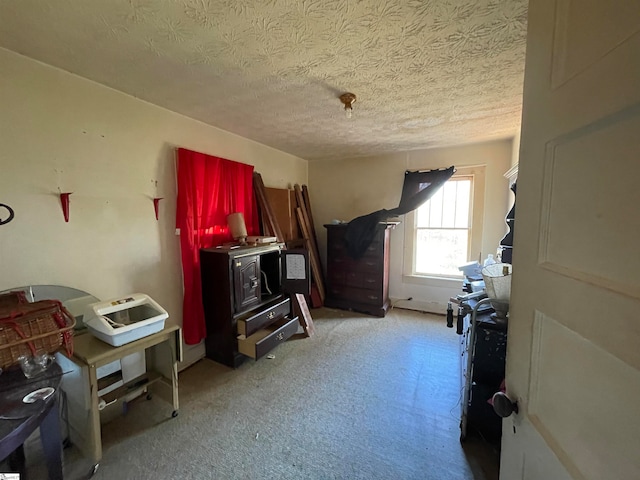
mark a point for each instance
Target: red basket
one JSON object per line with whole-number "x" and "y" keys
{"x": 34, "y": 329}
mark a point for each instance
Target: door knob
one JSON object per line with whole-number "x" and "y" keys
{"x": 503, "y": 405}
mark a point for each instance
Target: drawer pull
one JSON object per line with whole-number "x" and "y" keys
{"x": 372, "y": 297}
{"x": 280, "y": 336}
{"x": 238, "y": 264}
{"x": 271, "y": 314}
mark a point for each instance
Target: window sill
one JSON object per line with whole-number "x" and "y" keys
{"x": 432, "y": 281}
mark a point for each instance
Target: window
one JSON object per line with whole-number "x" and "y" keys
{"x": 446, "y": 231}
{"x": 443, "y": 229}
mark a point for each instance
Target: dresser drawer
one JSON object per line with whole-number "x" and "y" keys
{"x": 364, "y": 264}
{"x": 261, "y": 342}
{"x": 341, "y": 262}
{"x": 359, "y": 295}
{"x": 353, "y": 279}
{"x": 335, "y": 276}
{"x": 372, "y": 280}
{"x": 374, "y": 250}
{"x": 339, "y": 251}
{"x": 369, "y": 265}
{"x": 360, "y": 279}
{"x": 268, "y": 314}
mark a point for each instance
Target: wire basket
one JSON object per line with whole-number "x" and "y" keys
{"x": 34, "y": 329}
{"x": 497, "y": 282}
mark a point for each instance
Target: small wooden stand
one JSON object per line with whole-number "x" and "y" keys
{"x": 163, "y": 351}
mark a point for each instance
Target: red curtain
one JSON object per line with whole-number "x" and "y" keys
{"x": 209, "y": 189}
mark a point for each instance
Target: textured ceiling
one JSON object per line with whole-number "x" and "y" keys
{"x": 426, "y": 72}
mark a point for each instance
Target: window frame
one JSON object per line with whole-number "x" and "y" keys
{"x": 477, "y": 175}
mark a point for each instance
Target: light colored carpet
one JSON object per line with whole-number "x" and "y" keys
{"x": 365, "y": 398}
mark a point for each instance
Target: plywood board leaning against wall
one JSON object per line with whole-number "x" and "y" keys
{"x": 283, "y": 204}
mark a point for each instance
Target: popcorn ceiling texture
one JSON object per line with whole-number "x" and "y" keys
{"x": 426, "y": 73}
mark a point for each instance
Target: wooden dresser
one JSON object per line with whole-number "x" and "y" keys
{"x": 361, "y": 285}
{"x": 246, "y": 310}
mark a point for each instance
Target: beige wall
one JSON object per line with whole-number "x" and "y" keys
{"x": 345, "y": 189}
{"x": 59, "y": 131}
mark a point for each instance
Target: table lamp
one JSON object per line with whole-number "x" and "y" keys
{"x": 237, "y": 227}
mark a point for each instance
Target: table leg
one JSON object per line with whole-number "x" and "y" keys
{"x": 17, "y": 462}
{"x": 94, "y": 417}
{"x": 174, "y": 372}
{"x": 52, "y": 442}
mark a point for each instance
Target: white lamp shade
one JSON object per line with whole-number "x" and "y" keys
{"x": 237, "y": 225}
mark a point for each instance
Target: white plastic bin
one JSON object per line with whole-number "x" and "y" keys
{"x": 122, "y": 320}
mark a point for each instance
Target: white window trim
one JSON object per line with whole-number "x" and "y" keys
{"x": 476, "y": 226}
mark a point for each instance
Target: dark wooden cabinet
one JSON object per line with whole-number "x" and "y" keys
{"x": 361, "y": 285}
{"x": 483, "y": 351}
{"x": 246, "y": 280}
{"x": 246, "y": 309}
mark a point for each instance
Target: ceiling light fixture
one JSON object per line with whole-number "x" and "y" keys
{"x": 348, "y": 99}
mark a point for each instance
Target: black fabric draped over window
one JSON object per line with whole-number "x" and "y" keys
{"x": 418, "y": 187}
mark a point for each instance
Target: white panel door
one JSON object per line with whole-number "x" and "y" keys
{"x": 573, "y": 359}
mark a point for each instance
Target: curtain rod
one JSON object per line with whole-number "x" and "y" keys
{"x": 433, "y": 170}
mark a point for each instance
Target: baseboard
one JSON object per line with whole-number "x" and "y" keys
{"x": 438, "y": 308}
{"x": 190, "y": 355}
{"x": 184, "y": 365}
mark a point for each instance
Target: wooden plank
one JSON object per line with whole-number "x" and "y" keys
{"x": 315, "y": 262}
{"x": 282, "y": 201}
{"x": 296, "y": 243}
{"x": 264, "y": 221}
{"x": 258, "y": 188}
{"x": 314, "y": 298}
{"x": 279, "y": 201}
{"x": 266, "y": 227}
{"x": 304, "y": 315}
{"x": 293, "y": 204}
{"x": 305, "y": 195}
{"x": 265, "y": 206}
{"x": 307, "y": 203}
{"x": 310, "y": 236}
{"x": 317, "y": 288}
